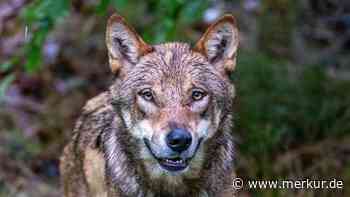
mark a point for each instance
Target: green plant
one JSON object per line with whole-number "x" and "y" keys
{"x": 40, "y": 17}
{"x": 279, "y": 107}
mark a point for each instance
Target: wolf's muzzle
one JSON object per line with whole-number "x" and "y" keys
{"x": 172, "y": 160}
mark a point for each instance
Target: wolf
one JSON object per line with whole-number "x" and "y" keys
{"x": 164, "y": 127}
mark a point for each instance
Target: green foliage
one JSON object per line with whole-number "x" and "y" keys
{"x": 6, "y": 81}
{"x": 40, "y": 17}
{"x": 172, "y": 19}
{"x": 102, "y": 7}
{"x": 4, "y": 84}
{"x": 279, "y": 107}
{"x": 168, "y": 19}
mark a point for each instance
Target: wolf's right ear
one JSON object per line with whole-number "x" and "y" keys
{"x": 125, "y": 46}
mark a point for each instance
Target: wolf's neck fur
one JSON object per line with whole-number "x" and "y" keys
{"x": 126, "y": 174}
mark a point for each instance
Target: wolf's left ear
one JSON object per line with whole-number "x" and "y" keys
{"x": 125, "y": 46}
{"x": 220, "y": 42}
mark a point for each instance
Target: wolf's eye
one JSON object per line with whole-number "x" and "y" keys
{"x": 146, "y": 94}
{"x": 198, "y": 94}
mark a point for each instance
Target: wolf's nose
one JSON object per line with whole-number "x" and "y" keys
{"x": 179, "y": 140}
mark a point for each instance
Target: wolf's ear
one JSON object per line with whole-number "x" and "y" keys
{"x": 220, "y": 42}
{"x": 125, "y": 46}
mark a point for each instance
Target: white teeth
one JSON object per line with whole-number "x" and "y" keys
{"x": 175, "y": 161}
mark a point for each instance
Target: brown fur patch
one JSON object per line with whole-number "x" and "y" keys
{"x": 94, "y": 169}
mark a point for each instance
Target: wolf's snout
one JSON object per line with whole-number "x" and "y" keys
{"x": 179, "y": 140}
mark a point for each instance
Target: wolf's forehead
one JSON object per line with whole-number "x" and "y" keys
{"x": 174, "y": 47}
{"x": 172, "y": 50}
{"x": 173, "y": 65}
{"x": 174, "y": 57}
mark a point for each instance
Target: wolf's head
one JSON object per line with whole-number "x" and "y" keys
{"x": 173, "y": 98}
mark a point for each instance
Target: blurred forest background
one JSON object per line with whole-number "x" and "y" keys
{"x": 292, "y": 116}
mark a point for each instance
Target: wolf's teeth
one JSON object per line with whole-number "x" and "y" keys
{"x": 174, "y": 161}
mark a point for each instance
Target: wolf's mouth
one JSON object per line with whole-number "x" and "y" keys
{"x": 174, "y": 164}
{"x": 170, "y": 164}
